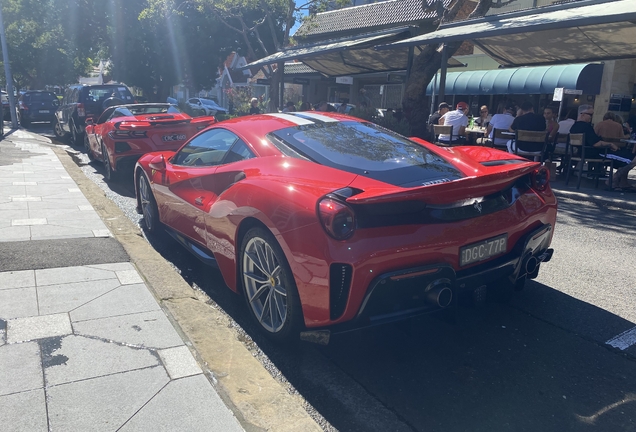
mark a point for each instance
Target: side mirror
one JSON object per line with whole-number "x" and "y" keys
{"x": 89, "y": 121}
{"x": 158, "y": 163}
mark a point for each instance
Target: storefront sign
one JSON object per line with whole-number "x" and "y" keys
{"x": 304, "y": 81}
{"x": 344, "y": 80}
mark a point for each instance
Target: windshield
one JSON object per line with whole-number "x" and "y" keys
{"x": 366, "y": 149}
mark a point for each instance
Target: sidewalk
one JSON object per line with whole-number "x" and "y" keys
{"x": 599, "y": 195}
{"x": 84, "y": 345}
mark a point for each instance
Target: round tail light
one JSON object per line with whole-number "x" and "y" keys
{"x": 540, "y": 178}
{"x": 337, "y": 218}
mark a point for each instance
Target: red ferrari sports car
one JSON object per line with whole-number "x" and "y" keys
{"x": 325, "y": 222}
{"x": 123, "y": 133}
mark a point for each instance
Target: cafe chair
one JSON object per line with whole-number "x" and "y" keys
{"x": 444, "y": 130}
{"x": 578, "y": 160}
{"x": 557, "y": 150}
{"x": 500, "y": 134}
{"x": 530, "y": 144}
{"x": 620, "y": 144}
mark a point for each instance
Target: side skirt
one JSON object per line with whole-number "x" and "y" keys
{"x": 204, "y": 255}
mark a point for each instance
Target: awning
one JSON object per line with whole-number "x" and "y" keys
{"x": 527, "y": 80}
{"x": 588, "y": 30}
{"x": 346, "y": 56}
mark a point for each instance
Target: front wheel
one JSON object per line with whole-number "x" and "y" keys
{"x": 148, "y": 205}
{"x": 269, "y": 287}
{"x": 109, "y": 174}
{"x": 87, "y": 148}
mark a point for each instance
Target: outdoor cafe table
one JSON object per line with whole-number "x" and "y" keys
{"x": 472, "y": 133}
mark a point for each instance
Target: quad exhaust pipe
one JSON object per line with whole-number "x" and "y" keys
{"x": 439, "y": 293}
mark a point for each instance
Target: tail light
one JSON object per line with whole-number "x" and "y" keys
{"x": 23, "y": 106}
{"x": 337, "y": 218}
{"x": 81, "y": 112}
{"x": 540, "y": 178}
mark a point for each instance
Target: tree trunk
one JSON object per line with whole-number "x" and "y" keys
{"x": 425, "y": 66}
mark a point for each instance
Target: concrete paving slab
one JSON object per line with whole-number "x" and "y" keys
{"x": 31, "y": 328}
{"x": 194, "y": 406}
{"x": 67, "y": 297}
{"x": 116, "y": 266}
{"x": 102, "y": 233}
{"x": 128, "y": 277}
{"x": 127, "y": 299}
{"x": 148, "y": 329}
{"x": 105, "y": 403}
{"x": 56, "y": 276}
{"x": 17, "y": 279}
{"x": 18, "y": 302}
{"x": 179, "y": 362}
{"x": 13, "y": 203}
{"x": 26, "y": 198}
{"x": 22, "y": 213}
{"x": 25, "y": 366}
{"x": 81, "y": 358}
{"x": 20, "y": 412}
{"x": 17, "y": 233}
{"x": 30, "y": 222}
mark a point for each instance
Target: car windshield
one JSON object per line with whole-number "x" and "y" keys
{"x": 150, "y": 109}
{"x": 102, "y": 93}
{"x": 366, "y": 149}
{"x": 42, "y": 97}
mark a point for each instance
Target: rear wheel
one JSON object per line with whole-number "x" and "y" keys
{"x": 148, "y": 205}
{"x": 24, "y": 122}
{"x": 76, "y": 137}
{"x": 269, "y": 287}
{"x": 109, "y": 174}
{"x": 58, "y": 131}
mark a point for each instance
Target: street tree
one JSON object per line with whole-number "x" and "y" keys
{"x": 428, "y": 62}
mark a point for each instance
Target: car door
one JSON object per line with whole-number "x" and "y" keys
{"x": 188, "y": 188}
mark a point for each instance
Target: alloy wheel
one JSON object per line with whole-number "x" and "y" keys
{"x": 262, "y": 279}
{"x": 147, "y": 204}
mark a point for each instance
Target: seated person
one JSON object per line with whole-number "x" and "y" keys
{"x": 458, "y": 120}
{"x": 527, "y": 120}
{"x": 609, "y": 127}
{"x": 623, "y": 158}
{"x": 501, "y": 121}
{"x": 484, "y": 117}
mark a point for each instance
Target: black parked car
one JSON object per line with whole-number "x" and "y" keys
{"x": 82, "y": 101}
{"x": 37, "y": 106}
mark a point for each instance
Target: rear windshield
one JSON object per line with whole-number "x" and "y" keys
{"x": 41, "y": 97}
{"x": 101, "y": 93}
{"x": 150, "y": 109}
{"x": 366, "y": 149}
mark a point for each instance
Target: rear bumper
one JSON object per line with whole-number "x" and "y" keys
{"x": 404, "y": 294}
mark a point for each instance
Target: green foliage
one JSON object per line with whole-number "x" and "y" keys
{"x": 240, "y": 100}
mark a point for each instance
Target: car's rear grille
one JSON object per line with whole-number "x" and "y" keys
{"x": 417, "y": 212}
{"x": 339, "y": 285}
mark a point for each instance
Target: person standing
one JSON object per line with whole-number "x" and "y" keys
{"x": 458, "y": 120}
{"x": 254, "y": 109}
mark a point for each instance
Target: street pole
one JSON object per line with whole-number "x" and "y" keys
{"x": 7, "y": 73}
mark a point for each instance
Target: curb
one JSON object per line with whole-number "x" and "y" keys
{"x": 597, "y": 199}
{"x": 259, "y": 402}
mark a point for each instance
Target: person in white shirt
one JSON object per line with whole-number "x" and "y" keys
{"x": 566, "y": 124}
{"x": 458, "y": 120}
{"x": 501, "y": 121}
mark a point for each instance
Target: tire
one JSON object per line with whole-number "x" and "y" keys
{"x": 58, "y": 131}
{"x": 267, "y": 280}
{"x": 87, "y": 148}
{"x": 24, "y": 122}
{"x": 109, "y": 174}
{"x": 148, "y": 205}
{"x": 76, "y": 137}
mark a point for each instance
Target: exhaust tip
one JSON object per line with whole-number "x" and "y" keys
{"x": 531, "y": 264}
{"x": 440, "y": 296}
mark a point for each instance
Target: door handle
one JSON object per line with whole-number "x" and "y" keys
{"x": 199, "y": 201}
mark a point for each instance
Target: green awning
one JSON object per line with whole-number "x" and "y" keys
{"x": 527, "y": 80}
{"x": 583, "y": 31}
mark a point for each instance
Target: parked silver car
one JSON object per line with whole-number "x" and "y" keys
{"x": 204, "y": 106}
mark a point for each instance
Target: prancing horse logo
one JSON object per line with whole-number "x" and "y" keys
{"x": 477, "y": 206}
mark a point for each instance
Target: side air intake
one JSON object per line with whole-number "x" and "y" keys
{"x": 339, "y": 285}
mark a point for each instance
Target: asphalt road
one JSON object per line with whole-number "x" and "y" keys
{"x": 540, "y": 363}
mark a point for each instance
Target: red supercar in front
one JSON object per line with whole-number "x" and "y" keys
{"x": 325, "y": 222}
